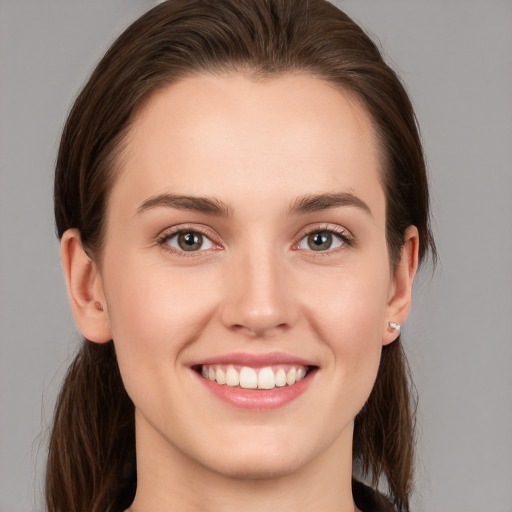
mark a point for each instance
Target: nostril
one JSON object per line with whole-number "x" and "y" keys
{"x": 259, "y": 329}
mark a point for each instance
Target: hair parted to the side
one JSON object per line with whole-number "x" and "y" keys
{"x": 91, "y": 462}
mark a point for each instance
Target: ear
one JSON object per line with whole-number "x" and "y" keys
{"x": 85, "y": 289}
{"x": 400, "y": 296}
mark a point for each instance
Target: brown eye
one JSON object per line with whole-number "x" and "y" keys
{"x": 189, "y": 241}
{"x": 322, "y": 241}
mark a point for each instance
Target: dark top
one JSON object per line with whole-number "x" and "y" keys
{"x": 368, "y": 500}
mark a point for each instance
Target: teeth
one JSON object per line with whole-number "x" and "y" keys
{"x": 250, "y": 378}
{"x": 266, "y": 379}
{"x": 232, "y": 377}
{"x": 220, "y": 376}
{"x": 291, "y": 377}
{"x": 280, "y": 378}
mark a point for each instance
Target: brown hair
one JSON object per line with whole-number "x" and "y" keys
{"x": 91, "y": 462}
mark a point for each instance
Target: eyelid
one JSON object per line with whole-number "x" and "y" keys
{"x": 171, "y": 232}
{"x": 343, "y": 233}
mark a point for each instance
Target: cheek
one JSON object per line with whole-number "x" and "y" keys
{"x": 350, "y": 304}
{"x": 348, "y": 314}
{"x": 155, "y": 312}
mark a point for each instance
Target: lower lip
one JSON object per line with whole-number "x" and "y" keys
{"x": 258, "y": 399}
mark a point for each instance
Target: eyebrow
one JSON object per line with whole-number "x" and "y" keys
{"x": 302, "y": 205}
{"x": 319, "y": 202}
{"x": 196, "y": 204}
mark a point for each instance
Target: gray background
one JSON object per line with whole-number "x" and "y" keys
{"x": 456, "y": 60}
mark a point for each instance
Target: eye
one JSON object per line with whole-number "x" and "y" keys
{"x": 322, "y": 240}
{"x": 188, "y": 241}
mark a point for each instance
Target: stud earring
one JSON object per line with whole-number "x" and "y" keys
{"x": 394, "y": 326}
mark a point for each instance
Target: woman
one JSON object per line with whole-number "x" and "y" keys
{"x": 242, "y": 204}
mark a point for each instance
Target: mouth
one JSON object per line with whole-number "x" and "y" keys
{"x": 248, "y": 377}
{"x": 259, "y": 382}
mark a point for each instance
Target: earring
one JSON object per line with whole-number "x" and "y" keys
{"x": 394, "y": 326}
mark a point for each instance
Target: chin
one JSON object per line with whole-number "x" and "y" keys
{"x": 256, "y": 469}
{"x": 257, "y": 460}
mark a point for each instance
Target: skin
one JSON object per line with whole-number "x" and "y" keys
{"x": 258, "y": 287}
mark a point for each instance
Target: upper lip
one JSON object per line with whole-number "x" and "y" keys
{"x": 254, "y": 360}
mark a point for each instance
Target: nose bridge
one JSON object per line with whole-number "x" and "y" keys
{"x": 257, "y": 298}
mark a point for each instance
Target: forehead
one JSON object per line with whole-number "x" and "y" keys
{"x": 229, "y": 136}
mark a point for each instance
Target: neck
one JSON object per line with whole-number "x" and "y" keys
{"x": 169, "y": 481}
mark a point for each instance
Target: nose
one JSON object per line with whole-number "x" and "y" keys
{"x": 259, "y": 295}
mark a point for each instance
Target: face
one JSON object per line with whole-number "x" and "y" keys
{"x": 245, "y": 271}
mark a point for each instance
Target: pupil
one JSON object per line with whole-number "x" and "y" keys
{"x": 190, "y": 241}
{"x": 320, "y": 241}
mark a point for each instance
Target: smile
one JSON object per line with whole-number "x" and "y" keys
{"x": 246, "y": 377}
{"x": 258, "y": 382}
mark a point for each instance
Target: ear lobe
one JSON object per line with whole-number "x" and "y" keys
{"x": 85, "y": 289}
{"x": 399, "y": 303}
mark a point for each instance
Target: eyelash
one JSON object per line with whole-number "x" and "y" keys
{"x": 164, "y": 238}
{"x": 339, "y": 232}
